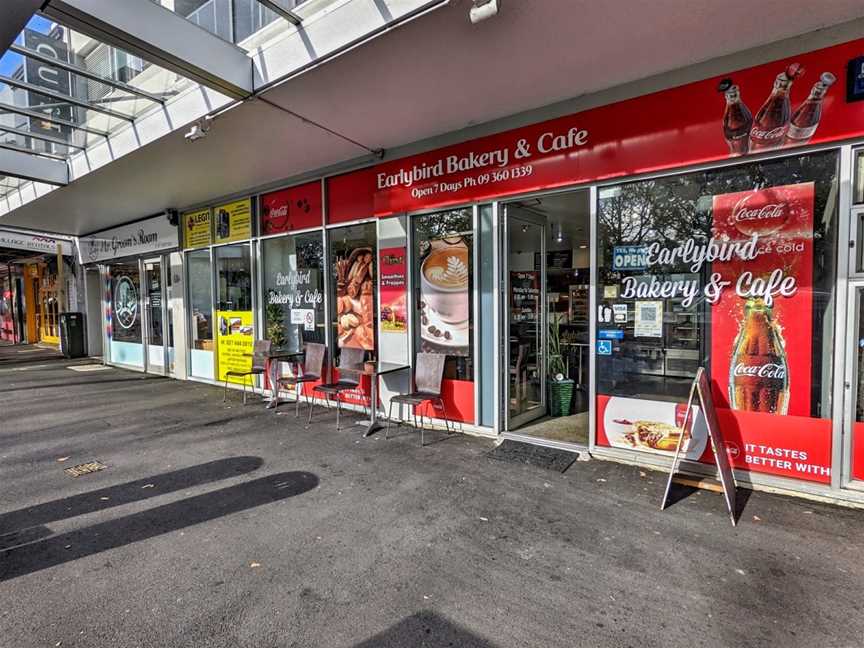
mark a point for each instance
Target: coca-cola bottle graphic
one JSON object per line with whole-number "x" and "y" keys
{"x": 772, "y": 120}
{"x": 806, "y": 117}
{"x": 737, "y": 121}
{"x": 758, "y": 371}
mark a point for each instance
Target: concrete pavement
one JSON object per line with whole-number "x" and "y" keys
{"x": 228, "y": 526}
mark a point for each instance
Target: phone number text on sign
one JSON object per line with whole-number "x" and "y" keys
{"x": 481, "y": 179}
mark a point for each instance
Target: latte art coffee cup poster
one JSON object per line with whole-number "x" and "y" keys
{"x": 445, "y": 297}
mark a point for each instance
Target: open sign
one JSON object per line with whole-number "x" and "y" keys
{"x": 628, "y": 257}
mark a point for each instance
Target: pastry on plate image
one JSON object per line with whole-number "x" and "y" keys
{"x": 654, "y": 434}
{"x": 653, "y": 426}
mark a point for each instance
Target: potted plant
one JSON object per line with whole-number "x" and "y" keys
{"x": 559, "y": 386}
{"x": 275, "y": 330}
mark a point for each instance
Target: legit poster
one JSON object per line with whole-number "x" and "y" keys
{"x": 233, "y": 221}
{"x": 234, "y": 342}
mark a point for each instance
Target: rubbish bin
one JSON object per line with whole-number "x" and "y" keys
{"x": 72, "y": 335}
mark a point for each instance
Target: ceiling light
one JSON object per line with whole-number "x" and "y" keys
{"x": 483, "y": 9}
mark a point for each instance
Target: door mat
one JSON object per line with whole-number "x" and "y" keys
{"x": 535, "y": 455}
{"x": 89, "y": 367}
{"x": 85, "y": 468}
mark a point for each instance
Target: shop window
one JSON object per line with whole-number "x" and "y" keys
{"x": 235, "y": 332}
{"x": 293, "y": 276}
{"x": 201, "y": 313}
{"x": 732, "y": 269}
{"x": 125, "y": 331}
{"x": 858, "y": 190}
{"x": 443, "y": 289}
{"x": 353, "y": 252}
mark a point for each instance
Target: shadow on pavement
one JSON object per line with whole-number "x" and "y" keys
{"x": 79, "y": 383}
{"x": 425, "y": 629}
{"x": 133, "y": 491}
{"x": 136, "y": 527}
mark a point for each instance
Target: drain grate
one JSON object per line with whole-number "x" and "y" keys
{"x": 85, "y": 468}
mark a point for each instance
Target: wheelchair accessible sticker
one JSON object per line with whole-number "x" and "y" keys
{"x": 604, "y": 347}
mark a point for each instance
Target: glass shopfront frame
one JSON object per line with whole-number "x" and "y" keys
{"x": 485, "y": 376}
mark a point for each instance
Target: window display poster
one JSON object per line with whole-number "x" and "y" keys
{"x": 234, "y": 341}
{"x": 445, "y": 298}
{"x": 648, "y": 320}
{"x": 291, "y": 209}
{"x": 355, "y": 303}
{"x": 394, "y": 311}
{"x": 233, "y": 221}
{"x": 197, "y": 231}
{"x": 619, "y": 312}
{"x": 761, "y": 320}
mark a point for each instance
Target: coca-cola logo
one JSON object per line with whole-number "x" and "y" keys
{"x": 759, "y": 220}
{"x": 278, "y": 212}
{"x": 767, "y": 370}
{"x": 768, "y": 135}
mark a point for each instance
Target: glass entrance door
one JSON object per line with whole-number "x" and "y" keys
{"x": 524, "y": 316}
{"x": 154, "y": 307}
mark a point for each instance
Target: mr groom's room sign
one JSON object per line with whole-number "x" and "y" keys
{"x": 143, "y": 237}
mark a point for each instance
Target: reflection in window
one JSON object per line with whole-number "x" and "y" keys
{"x": 201, "y": 299}
{"x": 443, "y": 287}
{"x": 680, "y": 299}
{"x": 294, "y": 290}
{"x": 233, "y": 278}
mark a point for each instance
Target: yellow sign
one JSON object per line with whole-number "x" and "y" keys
{"x": 233, "y": 221}
{"x": 234, "y": 342}
{"x": 196, "y": 229}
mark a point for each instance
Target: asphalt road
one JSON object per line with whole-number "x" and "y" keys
{"x": 228, "y": 526}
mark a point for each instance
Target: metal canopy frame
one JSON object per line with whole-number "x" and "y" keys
{"x": 283, "y": 8}
{"x": 45, "y": 138}
{"x": 29, "y": 151}
{"x": 59, "y": 96}
{"x": 35, "y": 114}
{"x": 160, "y": 36}
{"x": 30, "y": 166}
{"x": 87, "y": 74}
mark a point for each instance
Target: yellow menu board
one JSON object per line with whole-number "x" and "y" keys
{"x": 233, "y": 221}
{"x": 234, "y": 342}
{"x": 196, "y": 229}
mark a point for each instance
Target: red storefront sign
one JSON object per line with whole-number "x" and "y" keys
{"x": 291, "y": 209}
{"x": 691, "y": 124}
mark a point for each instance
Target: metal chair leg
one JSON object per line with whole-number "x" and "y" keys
{"x": 225, "y": 392}
{"x": 422, "y": 442}
{"x": 446, "y": 417}
{"x": 244, "y": 389}
{"x": 311, "y": 407}
{"x": 338, "y": 410}
{"x": 297, "y": 389}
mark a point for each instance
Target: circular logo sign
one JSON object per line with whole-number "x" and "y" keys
{"x": 125, "y": 302}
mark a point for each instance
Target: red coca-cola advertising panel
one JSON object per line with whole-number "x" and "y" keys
{"x": 858, "y": 450}
{"x": 291, "y": 209}
{"x": 761, "y": 322}
{"x": 786, "y": 103}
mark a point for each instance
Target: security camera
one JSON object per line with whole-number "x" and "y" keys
{"x": 483, "y": 9}
{"x": 199, "y": 130}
